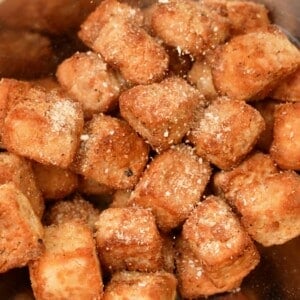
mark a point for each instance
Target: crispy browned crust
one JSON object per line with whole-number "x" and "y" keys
{"x": 249, "y": 66}
{"x": 172, "y": 185}
{"x": 21, "y": 230}
{"x": 228, "y": 131}
{"x": 161, "y": 112}
{"x": 147, "y": 286}
{"x": 285, "y": 148}
{"x": 127, "y": 238}
{"x": 89, "y": 186}
{"x": 111, "y": 153}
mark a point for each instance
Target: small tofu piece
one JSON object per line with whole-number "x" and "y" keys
{"x": 285, "y": 148}
{"x": 172, "y": 185}
{"x": 69, "y": 267}
{"x": 111, "y": 153}
{"x": 21, "y": 230}
{"x": 115, "y": 31}
{"x": 54, "y": 182}
{"x": 251, "y": 65}
{"x": 91, "y": 187}
{"x": 121, "y": 198}
{"x": 227, "y": 132}
{"x": 216, "y": 237}
{"x": 289, "y": 89}
{"x": 90, "y": 81}
{"x": 45, "y": 127}
{"x": 161, "y": 112}
{"x": 188, "y": 25}
{"x": 193, "y": 281}
{"x": 128, "y": 239}
{"x": 19, "y": 171}
{"x": 77, "y": 209}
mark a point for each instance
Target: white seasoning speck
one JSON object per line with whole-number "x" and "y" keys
{"x": 84, "y": 137}
{"x": 166, "y": 133}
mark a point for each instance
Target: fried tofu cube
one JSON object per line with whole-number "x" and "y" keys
{"x": 45, "y": 128}
{"x": 115, "y": 31}
{"x": 69, "y": 267}
{"x": 249, "y": 66}
{"x": 285, "y": 148}
{"x": 216, "y": 237}
{"x": 90, "y": 81}
{"x": 127, "y": 238}
{"x": 111, "y": 153}
{"x": 146, "y": 286}
{"x": 89, "y": 186}
{"x": 162, "y": 112}
{"x": 188, "y": 25}
{"x": 19, "y": 171}
{"x": 228, "y": 131}
{"x": 121, "y": 198}
{"x": 54, "y": 182}
{"x": 21, "y": 230}
{"x": 172, "y": 185}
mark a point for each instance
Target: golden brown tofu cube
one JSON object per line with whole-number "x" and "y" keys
{"x": 188, "y": 25}
{"x": 111, "y": 153}
{"x": 90, "y": 81}
{"x": 127, "y": 238}
{"x": 227, "y": 131}
{"x": 121, "y": 198}
{"x": 77, "y": 209}
{"x": 18, "y": 170}
{"x": 45, "y": 127}
{"x": 216, "y": 237}
{"x": 285, "y": 149}
{"x": 114, "y": 30}
{"x": 21, "y": 230}
{"x": 54, "y": 182}
{"x": 162, "y": 112}
{"x": 91, "y": 187}
{"x": 69, "y": 267}
{"x": 249, "y": 66}
{"x": 146, "y": 286}
{"x": 172, "y": 185}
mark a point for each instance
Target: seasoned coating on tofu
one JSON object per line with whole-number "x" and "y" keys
{"x": 76, "y": 209}
{"x": 54, "y": 182}
{"x": 193, "y": 281}
{"x": 128, "y": 239}
{"x": 47, "y": 83}
{"x": 19, "y": 171}
{"x": 172, "y": 185}
{"x": 111, "y": 153}
{"x": 161, "y": 112}
{"x": 289, "y": 89}
{"x": 45, "y": 127}
{"x": 114, "y": 30}
{"x": 146, "y": 286}
{"x": 188, "y": 25}
{"x": 216, "y": 237}
{"x": 249, "y": 66}
{"x": 88, "y": 79}
{"x": 21, "y": 230}
{"x": 121, "y": 198}
{"x": 285, "y": 148}
{"x": 25, "y": 54}
{"x": 227, "y": 132}
{"x": 91, "y": 187}
{"x": 69, "y": 267}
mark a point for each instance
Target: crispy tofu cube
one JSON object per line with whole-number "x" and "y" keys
{"x": 111, "y": 153}
{"x": 21, "y": 230}
{"x": 115, "y": 31}
{"x": 18, "y": 170}
{"x": 45, "y": 127}
{"x": 172, "y": 186}
{"x": 285, "y": 148}
{"x": 249, "y": 66}
{"x": 69, "y": 267}
{"x": 216, "y": 237}
{"x": 90, "y": 81}
{"x": 228, "y": 131}
{"x": 89, "y": 186}
{"x": 162, "y": 112}
{"x": 146, "y": 286}
{"x": 54, "y": 182}
{"x": 127, "y": 238}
